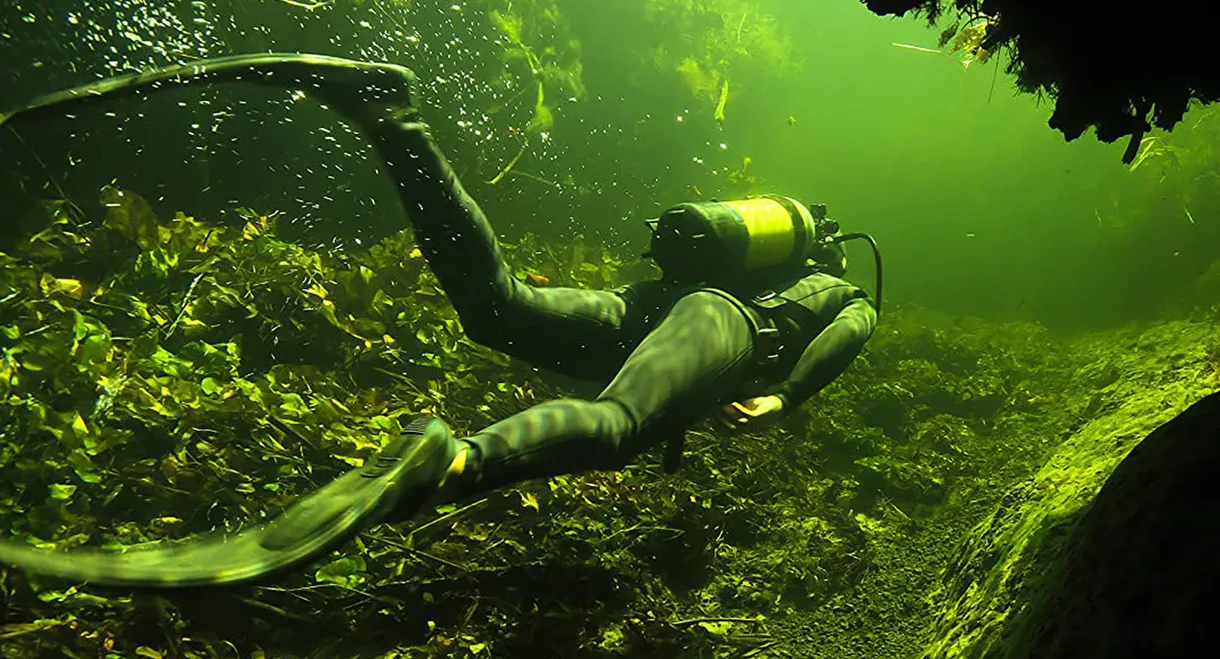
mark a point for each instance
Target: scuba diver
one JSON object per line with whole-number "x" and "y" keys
{"x": 750, "y": 320}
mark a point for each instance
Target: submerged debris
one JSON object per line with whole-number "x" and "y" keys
{"x": 1120, "y": 68}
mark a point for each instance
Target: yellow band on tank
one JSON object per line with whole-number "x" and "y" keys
{"x": 772, "y": 237}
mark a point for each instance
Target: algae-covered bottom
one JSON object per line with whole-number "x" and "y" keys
{"x": 166, "y": 377}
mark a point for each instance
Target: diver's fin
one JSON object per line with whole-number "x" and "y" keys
{"x": 314, "y": 74}
{"x": 400, "y": 479}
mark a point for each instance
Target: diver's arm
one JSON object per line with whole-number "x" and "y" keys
{"x": 828, "y": 355}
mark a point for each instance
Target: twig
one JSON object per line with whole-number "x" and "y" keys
{"x": 308, "y": 6}
{"x": 204, "y": 243}
{"x": 899, "y": 510}
{"x": 420, "y": 552}
{"x": 446, "y": 516}
{"x": 46, "y": 170}
{"x": 284, "y": 427}
{"x": 271, "y": 608}
{"x": 641, "y": 527}
{"x": 289, "y": 458}
{"x": 759, "y": 650}
{"x": 406, "y": 381}
{"x": 393, "y": 19}
{"x": 535, "y": 177}
{"x": 917, "y": 48}
{"x": 753, "y": 639}
{"x": 507, "y": 168}
{"x": 186, "y": 302}
{"x": 469, "y": 614}
{"x": 492, "y": 546}
{"x": 21, "y": 629}
{"x": 102, "y": 305}
{"x": 994, "y": 74}
{"x": 695, "y": 621}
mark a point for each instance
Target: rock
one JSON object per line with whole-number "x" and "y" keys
{"x": 1142, "y": 573}
{"x": 1094, "y": 555}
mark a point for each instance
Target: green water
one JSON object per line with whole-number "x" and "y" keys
{"x": 1046, "y": 307}
{"x": 980, "y": 207}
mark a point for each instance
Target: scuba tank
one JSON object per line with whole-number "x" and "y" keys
{"x": 726, "y": 241}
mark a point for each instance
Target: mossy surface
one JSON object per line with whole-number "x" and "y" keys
{"x": 1137, "y": 382}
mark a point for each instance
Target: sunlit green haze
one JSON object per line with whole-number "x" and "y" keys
{"x": 980, "y": 208}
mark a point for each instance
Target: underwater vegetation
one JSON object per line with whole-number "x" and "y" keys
{"x": 1184, "y": 165}
{"x": 163, "y": 375}
{"x": 537, "y": 36}
{"x": 712, "y": 41}
{"x": 169, "y": 376}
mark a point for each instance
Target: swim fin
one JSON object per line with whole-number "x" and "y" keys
{"x": 348, "y": 86}
{"x": 396, "y": 483}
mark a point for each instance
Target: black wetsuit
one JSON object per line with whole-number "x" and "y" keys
{"x": 670, "y": 353}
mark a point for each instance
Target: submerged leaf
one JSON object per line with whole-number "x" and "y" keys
{"x": 543, "y": 120}
{"x": 724, "y": 99}
{"x": 61, "y": 492}
{"x": 347, "y": 571}
{"x": 52, "y": 286}
{"x": 84, "y": 467}
{"x": 528, "y": 500}
{"x": 131, "y": 216}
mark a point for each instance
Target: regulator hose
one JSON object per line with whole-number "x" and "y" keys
{"x": 876, "y": 259}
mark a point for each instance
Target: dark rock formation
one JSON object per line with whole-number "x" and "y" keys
{"x": 1142, "y": 575}
{"x": 1119, "y": 67}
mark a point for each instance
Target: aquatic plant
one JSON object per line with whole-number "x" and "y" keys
{"x": 967, "y": 37}
{"x": 536, "y": 33}
{"x": 1164, "y": 215}
{"x": 712, "y": 41}
{"x": 1185, "y": 163}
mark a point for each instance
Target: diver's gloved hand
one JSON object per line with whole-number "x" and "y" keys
{"x": 394, "y": 484}
{"x": 753, "y": 412}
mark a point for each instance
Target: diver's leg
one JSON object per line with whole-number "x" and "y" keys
{"x": 697, "y": 357}
{"x": 574, "y": 331}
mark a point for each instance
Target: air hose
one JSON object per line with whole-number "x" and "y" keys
{"x": 876, "y": 258}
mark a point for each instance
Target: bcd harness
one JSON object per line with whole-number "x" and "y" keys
{"x": 725, "y": 241}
